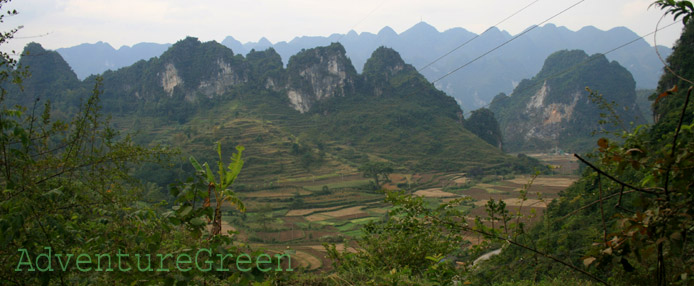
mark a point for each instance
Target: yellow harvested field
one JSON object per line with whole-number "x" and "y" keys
{"x": 434, "y": 193}
{"x": 334, "y": 214}
{"x": 318, "y": 217}
{"x": 303, "y": 212}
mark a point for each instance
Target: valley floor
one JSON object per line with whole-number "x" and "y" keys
{"x": 299, "y": 215}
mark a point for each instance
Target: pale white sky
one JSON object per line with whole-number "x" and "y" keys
{"x": 65, "y": 23}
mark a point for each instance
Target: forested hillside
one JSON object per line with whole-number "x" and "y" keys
{"x": 198, "y": 93}
{"x": 562, "y": 105}
{"x": 628, "y": 219}
{"x": 420, "y": 45}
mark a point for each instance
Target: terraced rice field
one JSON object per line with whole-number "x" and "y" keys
{"x": 301, "y": 219}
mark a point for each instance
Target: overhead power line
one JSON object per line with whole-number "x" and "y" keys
{"x": 476, "y": 36}
{"x": 510, "y": 40}
{"x": 34, "y": 36}
{"x": 571, "y": 68}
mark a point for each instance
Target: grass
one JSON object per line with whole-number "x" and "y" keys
{"x": 354, "y": 233}
{"x": 364, "y": 220}
{"x": 347, "y": 227}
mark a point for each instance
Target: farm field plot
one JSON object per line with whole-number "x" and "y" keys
{"x": 334, "y": 208}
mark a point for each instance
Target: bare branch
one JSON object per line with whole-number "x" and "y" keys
{"x": 613, "y": 178}
{"x": 513, "y": 242}
{"x": 602, "y": 212}
{"x": 674, "y": 142}
{"x": 595, "y": 202}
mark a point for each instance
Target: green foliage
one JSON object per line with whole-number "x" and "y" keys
{"x": 66, "y": 186}
{"x": 266, "y": 66}
{"x": 483, "y": 124}
{"x": 644, "y": 104}
{"x": 667, "y": 110}
{"x": 628, "y": 218}
{"x": 48, "y": 73}
{"x": 564, "y": 117}
{"x": 220, "y": 186}
{"x": 683, "y": 9}
{"x": 378, "y": 171}
{"x": 412, "y": 245}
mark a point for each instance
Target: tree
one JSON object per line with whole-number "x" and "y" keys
{"x": 220, "y": 187}
{"x": 676, "y": 8}
{"x": 412, "y": 245}
{"x": 67, "y": 187}
{"x": 378, "y": 171}
{"x": 629, "y": 219}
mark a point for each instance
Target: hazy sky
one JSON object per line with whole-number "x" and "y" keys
{"x": 65, "y": 23}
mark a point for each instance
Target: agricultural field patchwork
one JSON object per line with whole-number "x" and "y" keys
{"x": 303, "y": 214}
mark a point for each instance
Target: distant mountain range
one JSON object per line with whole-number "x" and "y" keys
{"x": 473, "y": 87}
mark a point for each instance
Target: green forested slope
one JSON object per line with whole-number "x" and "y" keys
{"x": 199, "y": 93}
{"x": 554, "y": 109}
{"x": 631, "y": 230}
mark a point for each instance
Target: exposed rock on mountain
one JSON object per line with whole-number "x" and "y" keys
{"x": 317, "y": 74}
{"x": 316, "y": 113}
{"x": 554, "y": 109}
{"x": 473, "y": 86}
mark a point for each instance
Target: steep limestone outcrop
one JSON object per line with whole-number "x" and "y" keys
{"x": 317, "y": 74}
{"x": 187, "y": 70}
{"x": 554, "y": 109}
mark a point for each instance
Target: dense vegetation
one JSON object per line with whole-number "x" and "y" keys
{"x": 69, "y": 181}
{"x": 390, "y": 113}
{"x": 483, "y": 124}
{"x": 554, "y": 109}
{"x": 632, "y": 229}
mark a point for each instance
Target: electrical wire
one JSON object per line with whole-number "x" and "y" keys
{"x": 475, "y": 37}
{"x": 508, "y": 41}
{"x": 571, "y": 68}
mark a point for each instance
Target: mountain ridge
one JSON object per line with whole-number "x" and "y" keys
{"x": 476, "y": 85}
{"x": 314, "y": 116}
{"x": 555, "y": 109}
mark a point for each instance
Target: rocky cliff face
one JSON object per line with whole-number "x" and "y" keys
{"x": 547, "y": 121}
{"x": 219, "y": 83}
{"x": 187, "y": 70}
{"x": 191, "y": 70}
{"x": 317, "y": 74}
{"x": 554, "y": 109}
{"x": 197, "y": 68}
{"x": 170, "y": 79}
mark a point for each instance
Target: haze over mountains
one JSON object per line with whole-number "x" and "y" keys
{"x": 473, "y": 86}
